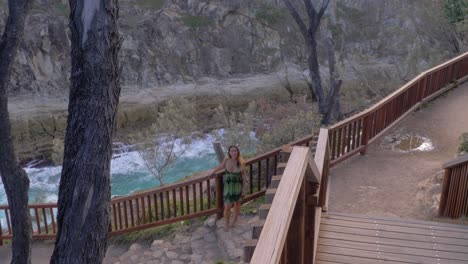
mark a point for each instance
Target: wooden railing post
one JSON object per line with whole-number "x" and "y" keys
{"x": 1, "y": 234}
{"x": 366, "y": 131}
{"x": 294, "y": 245}
{"x": 444, "y": 192}
{"x": 311, "y": 201}
{"x": 219, "y": 197}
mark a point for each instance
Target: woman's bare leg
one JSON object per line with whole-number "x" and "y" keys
{"x": 227, "y": 214}
{"x": 236, "y": 212}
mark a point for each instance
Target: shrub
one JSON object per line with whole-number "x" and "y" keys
{"x": 151, "y": 4}
{"x": 455, "y": 10}
{"x": 197, "y": 21}
{"x": 270, "y": 15}
{"x": 463, "y": 148}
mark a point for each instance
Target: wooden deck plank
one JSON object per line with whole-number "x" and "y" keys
{"x": 398, "y": 229}
{"x": 400, "y": 249}
{"x": 392, "y": 241}
{"x": 378, "y": 255}
{"x": 399, "y": 220}
{"x": 346, "y": 259}
{"x": 418, "y": 224}
{"x": 389, "y": 234}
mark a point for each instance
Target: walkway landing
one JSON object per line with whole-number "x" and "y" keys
{"x": 347, "y": 238}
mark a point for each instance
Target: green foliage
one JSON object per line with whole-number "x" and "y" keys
{"x": 238, "y": 129}
{"x": 152, "y": 234}
{"x": 168, "y": 138}
{"x": 251, "y": 207}
{"x": 57, "y": 151}
{"x": 282, "y": 124}
{"x": 61, "y": 9}
{"x": 151, "y": 4}
{"x": 271, "y": 15}
{"x": 296, "y": 126}
{"x": 456, "y": 10}
{"x": 463, "y": 148}
{"x": 197, "y": 21}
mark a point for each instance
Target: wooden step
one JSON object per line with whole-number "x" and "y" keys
{"x": 269, "y": 195}
{"x": 257, "y": 227}
{"x": 249, "y": 248}
{"x": 275, "y": 181}
{"x": 280, "y": 168}
{"x": 263, "y": 210}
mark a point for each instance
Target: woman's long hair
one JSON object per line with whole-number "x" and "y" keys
{"x": 240, "y": 160}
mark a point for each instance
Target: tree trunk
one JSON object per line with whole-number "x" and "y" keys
{"x": 14, "y": 178}
{"x": 84, "y": 194}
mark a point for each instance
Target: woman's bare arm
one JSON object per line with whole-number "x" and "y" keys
{"x": 220, "y": 166}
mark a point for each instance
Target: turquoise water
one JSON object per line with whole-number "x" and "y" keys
{"x": 128, "y": 173}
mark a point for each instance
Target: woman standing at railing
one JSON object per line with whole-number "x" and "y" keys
{"x": 234, "y": 183}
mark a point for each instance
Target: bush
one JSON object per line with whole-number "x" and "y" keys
{"x": 455, "y": 10}
{"x": 270, "y": 15}
{"x": 197, "y": 21}
{"x": 151, "y": 4}
{"x": 463, "y": 148}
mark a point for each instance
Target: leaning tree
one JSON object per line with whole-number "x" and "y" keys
{"x": 327, "y": 100}
{"x": 15, "y": 180}
{"x": 83, "y": 217}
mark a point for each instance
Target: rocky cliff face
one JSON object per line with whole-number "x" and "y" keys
{"x": 180, "y": 41}
{"x": 219, "y": 47}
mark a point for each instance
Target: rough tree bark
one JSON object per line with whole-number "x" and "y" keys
{"x": 84, "y": 193}
{"x": 14, "y": 178}
{"x": 326, "y": 101}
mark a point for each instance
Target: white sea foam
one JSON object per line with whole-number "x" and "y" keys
{"x": 44, "y": 182}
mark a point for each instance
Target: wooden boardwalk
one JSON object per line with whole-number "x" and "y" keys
{"x": 349, "y": 239}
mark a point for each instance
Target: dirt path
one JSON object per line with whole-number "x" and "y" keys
{"x": 385, "y": 182}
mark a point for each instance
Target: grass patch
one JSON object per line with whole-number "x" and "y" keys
{"x": 271, "y": 15}
{"x": 197, "y": 21}
{"x": 463, "y": 148}
{"x": 61, "y": 9}
{"x": 151, "y": 4}
{"x": 151, "y": 234}
{"x": 251, "y": 207}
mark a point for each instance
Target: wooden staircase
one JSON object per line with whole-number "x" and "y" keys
{"x": 257, "y": 226}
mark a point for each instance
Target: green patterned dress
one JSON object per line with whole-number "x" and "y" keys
{"x": 232, "y": 187}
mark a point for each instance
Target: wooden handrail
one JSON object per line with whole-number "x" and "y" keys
{"x": 352, "y": 135}
{"x": 183, "y": 200}
{"x": 344, "y": 139}
{"x": 455, "y": 162}
{"x": 290, "y": 199}
{"x": 454, "y": 194}
{"x": 322, "y": 159}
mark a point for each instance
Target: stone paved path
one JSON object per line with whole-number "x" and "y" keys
{"x": 205, "y": 243}
{"x": 209, "y": 243}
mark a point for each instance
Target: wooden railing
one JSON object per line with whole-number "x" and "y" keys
{"x": 164, "y": 205}
{"x": 338, "y": 143}
{"x": 352, "y": 135}
{"x": 454, "y": 196}
{"x": 290, "y": 231}
{"x": 192, "y": 198}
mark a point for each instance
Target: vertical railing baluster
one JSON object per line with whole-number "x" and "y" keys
{"x": 114, "y": 212}
{"x": 208, "y": 190}
{"x": 174, "y": 202}
{"x": 168, "y": 204}
{"x": 200, "y": 186}
{"x": 181, "y": 198}
{"x": 194, "y": 193}
{"x": 125, "y": 214}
